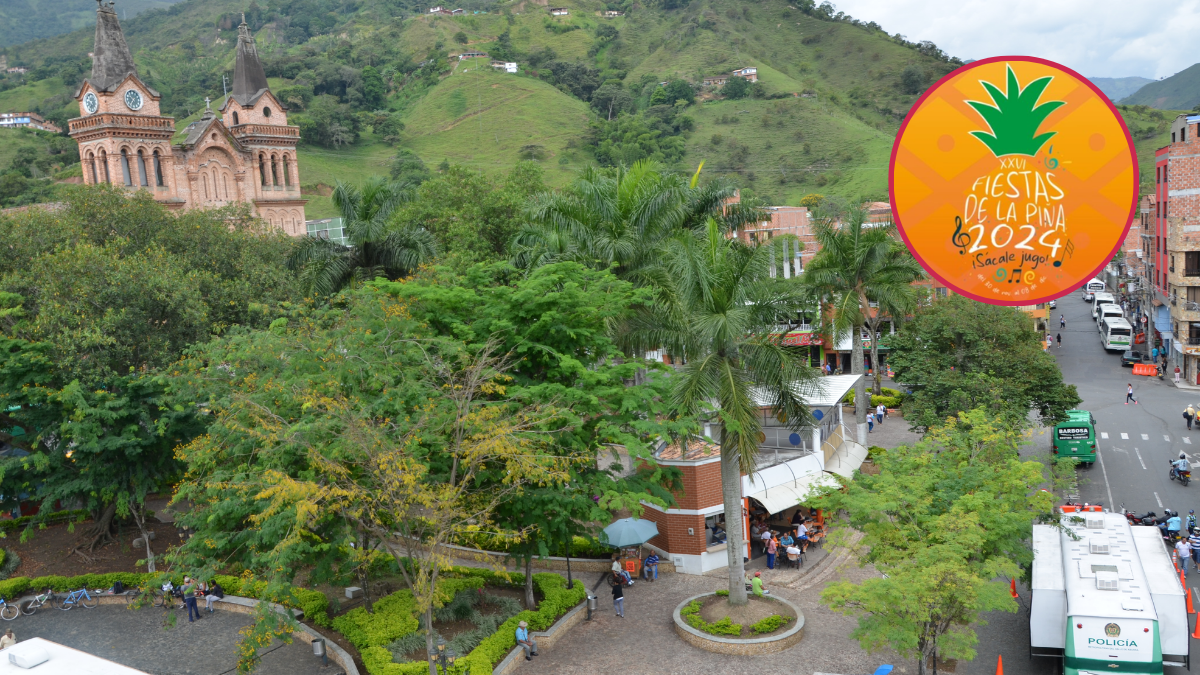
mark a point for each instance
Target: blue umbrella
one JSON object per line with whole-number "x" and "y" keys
{"x": 629, "y": 532}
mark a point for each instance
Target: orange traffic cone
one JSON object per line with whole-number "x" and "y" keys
{"x": 999, "y": 664}
{"x": 1189, "y": 602}
{"x": 1012, "y": 588}
{"x": 1196, "y": 633}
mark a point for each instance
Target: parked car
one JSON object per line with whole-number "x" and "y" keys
{"x": 1053, "y": 304}
{"x": 1131, "y": 358}
{"x": 1088, "y": 296}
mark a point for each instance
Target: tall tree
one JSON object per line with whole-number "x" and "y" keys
{"x": 960, "y": 354}
{"x": 723, "y": 323}
{"x": 374, "y": 249}
{"x": 95, "y": 299}
{"x": 859, "y": 263}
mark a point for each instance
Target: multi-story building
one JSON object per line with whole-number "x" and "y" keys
{"x": 246, "y": 155}
{"x": 1177, "y": 277}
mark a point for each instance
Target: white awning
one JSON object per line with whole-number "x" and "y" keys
{"x": 846, "y": 459}
{"x": 787, "y": 495}
{"x": 822, "y": 393}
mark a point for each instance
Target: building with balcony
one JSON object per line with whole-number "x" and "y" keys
{"x": 32, "y": 120}
{"x": 245, "y": 155}
{"x": 1177, "y": 239}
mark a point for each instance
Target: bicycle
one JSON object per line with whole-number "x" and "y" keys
{"x": 28, "y": 607}
{"x": 158, "y": 598}
{"x": 79, "y": 597}
{"x": 8, "y": 612}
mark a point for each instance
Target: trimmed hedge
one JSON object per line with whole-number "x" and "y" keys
{"x": 395, "y": 616}
{"x": 691, "y": 615}
{"x": 890, "y": 398}
{"x": 771, "y": 623}
{"x": 52, "y": 519}
{"x": 314, "y": 604}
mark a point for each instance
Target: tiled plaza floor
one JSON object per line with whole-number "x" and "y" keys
{"x": 138, "y": 639}
{"x": 645, "y": 640}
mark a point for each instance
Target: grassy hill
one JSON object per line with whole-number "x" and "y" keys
{"x": 1117, "y": 88}
{"x": 1151, "y": 130}
{"x": 25, "y": 20}
{"x": 1180, "y": 91}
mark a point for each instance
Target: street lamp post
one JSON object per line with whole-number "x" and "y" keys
{"x": 445, "y": 655}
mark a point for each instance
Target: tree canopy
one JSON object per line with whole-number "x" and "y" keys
{"x": 958, "y": 354}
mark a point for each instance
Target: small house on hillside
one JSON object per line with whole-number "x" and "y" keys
{"x": 559, "y": 11}
{"x": 506, "y": 66}
{"x": 612, "y": 14}
{"x": 748, "y": 73}
{"x": 457, "y": 12}
{"x": 717, "y": 81}
{"x": 472, "y": 55}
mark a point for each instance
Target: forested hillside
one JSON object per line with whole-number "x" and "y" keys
{"x": 368, "y": 79}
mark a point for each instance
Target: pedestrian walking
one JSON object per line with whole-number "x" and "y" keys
{"x": 1062, "y": 322}
{"x": 1189, "y": 414}
{"x": 772, "y": 547}
{"x": 880, "y": 413}
{"x": 1060, "y": 340}
{"x": 1194, "y": 542}
{"x": 1176, "y": 376}
{"x": 1184, "y": 551}
{"x": 1129, "y": 394}
{"x": 618, "y": 596}
{"x": 870, "y": 424}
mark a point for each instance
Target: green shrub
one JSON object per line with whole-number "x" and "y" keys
{"x": 691, "y": 615}
{"x": 723, "y": 593}
{"x": 50, "y": 519}
{"x": 889, "y": 397}
{"x": 771, "y": 623}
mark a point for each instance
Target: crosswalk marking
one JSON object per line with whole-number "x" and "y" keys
{"x": 1124, "y": 436}
{"x": 1166, "y": 438}
{"x": 1187, "y": 440}
{"x": 1146, "y": 437}
{"x": 1104, "y": 435}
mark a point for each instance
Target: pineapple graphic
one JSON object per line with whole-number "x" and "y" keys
{"x": 1013, "y": 116}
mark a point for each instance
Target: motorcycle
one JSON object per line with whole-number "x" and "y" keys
{"x": 1184, "y": 475}
{"x": 1148, "y": 518}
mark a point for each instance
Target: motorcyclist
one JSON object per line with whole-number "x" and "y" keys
{"x": 1179, "y": 465}
{"x": 1191, "y": 520}
{"x": 1173, "y": 524}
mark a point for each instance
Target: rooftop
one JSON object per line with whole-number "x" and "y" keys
{"x": 697, "y": 449}
{"x": 62, "y": 660}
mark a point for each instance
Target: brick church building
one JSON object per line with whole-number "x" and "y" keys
{"x": 246, "y": 154}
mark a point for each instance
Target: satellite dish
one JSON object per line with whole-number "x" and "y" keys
{"x": 818, "y": 414}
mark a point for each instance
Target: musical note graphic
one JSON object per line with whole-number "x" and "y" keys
{"x": 1016, "y": 276}
{"x": 1068, "y": 250}
{"x": 960, "y": 239}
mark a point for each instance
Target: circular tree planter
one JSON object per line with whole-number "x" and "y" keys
{"x": 739, "y": 646}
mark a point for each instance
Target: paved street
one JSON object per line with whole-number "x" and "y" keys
{"x": 1135, "y": 442}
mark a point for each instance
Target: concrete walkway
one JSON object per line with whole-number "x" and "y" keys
{"x": 645, "y": 640}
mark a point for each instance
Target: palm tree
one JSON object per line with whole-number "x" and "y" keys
{"x": 859, "y": 263}
{"x": 618, "y": 217}
{"x": 375, "y": 249}
{"x": 724, "y": 322}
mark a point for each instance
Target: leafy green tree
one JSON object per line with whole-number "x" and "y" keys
{"x": 461, "y": 38}
{"x": 858, "y": 263}
{"x": 407, "y": 167}
{"x": 95, "y": 298}
{"x": 722, "y": 321}
{"x": 474, "y": 215}
{"x": 736, "y": 88}
{"x": 611, "y": 99}
{"x": 958, "y": 354}
{"x": 375, "y": 249}
{"x": 327, "y": 122}
{"x": 945, "y": 521}
{"x": 679, "y": 90}
{"x": 373, "y": 90}
{"x": 912, "y": 79}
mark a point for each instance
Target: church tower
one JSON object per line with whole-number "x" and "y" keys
{"x": 246, "y": 155}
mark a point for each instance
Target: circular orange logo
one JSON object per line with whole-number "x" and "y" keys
{"x": 1013, "y": 180}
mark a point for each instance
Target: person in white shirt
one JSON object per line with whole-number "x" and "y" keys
{"x": 1184, "y": 551}
{"x": 8, "y": 640}
{"x": 880, "y": 413}
{"x": 802, "y": 536}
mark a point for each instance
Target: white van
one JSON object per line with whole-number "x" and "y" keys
{"x": 1101, "y": 299}
{"x": 1108, "y": 310}
{"x": 1091, "y": 288}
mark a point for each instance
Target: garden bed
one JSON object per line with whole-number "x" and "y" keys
{"x": 771, "y": 625}
{"x": 754, "y": 618}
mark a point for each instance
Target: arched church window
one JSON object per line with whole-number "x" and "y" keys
{"x": 204, "y": 179}
{"x": 274, "y": 172}
{"x": 92, "y": 163}
{"x": 262, "y": 169}
{"x": 158, "y": 174}
{"x": 235, "y": 119}
{"x": 104, "y": 163}
{"x": 141, "y": 160}
{"x": 126, "y": 174}
{"x": 287, "y": 174}
{"x": 225, "y": 185}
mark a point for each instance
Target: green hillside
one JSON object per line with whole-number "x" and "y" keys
{"x": 1180, "y": 91}
{"x": 1117, "y": 88}
{"x": 1151, "y": 130}
{"x": 831, "y": 92}
{"x": 25, "y": 20}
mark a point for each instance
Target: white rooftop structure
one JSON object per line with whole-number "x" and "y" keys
{"x": 43, "y": 657}
{"x": 826, "y": 391}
